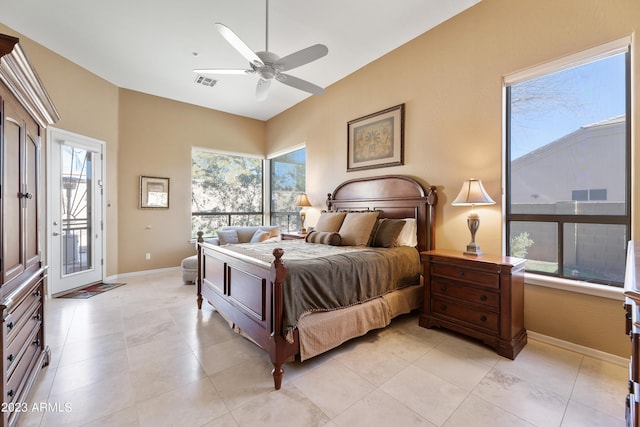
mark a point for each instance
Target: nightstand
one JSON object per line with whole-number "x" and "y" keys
{"x": 479, "y": 296}
{"x": 293, "y": 236}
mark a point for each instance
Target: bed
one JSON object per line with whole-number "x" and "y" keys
{"x": 259, "y": 294}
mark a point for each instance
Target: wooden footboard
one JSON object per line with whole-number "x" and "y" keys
{"x": 249, "y": 295}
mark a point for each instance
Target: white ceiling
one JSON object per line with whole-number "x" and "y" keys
{"x": 149, "y": 45}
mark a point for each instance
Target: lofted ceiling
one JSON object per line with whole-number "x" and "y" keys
{"x": 152, "y": 46}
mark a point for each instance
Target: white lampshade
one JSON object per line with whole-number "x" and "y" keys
{"x": 472, "y": 193}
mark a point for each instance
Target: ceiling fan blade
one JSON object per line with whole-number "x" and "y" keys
{"x": 238, "y": 44}
{"x": 301, "y": 57}
{"x": 262, "y": 89}
{"x": 300, "y": 84}
{"x": 222, "y": 71}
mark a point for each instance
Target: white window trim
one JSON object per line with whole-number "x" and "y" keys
{"x": 578, "y": 286}
{"x": 571, "y": 61}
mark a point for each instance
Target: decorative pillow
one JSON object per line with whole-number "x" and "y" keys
{"x": 260, "y": 236}
{"x": 409, "y": 234}
{"x": 357, "y": 227}
{"x": 330, "y": 221}
{"x": 227, "y": 237}
{"x": 324, "y": 237}
{"x": 386, "y": 235}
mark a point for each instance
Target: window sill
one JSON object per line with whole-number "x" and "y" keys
{"x": 578, "y": 286}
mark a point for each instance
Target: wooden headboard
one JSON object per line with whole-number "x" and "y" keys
{"x": 396, "y": 196}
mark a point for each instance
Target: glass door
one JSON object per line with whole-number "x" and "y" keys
{"x": 75, "y": 212}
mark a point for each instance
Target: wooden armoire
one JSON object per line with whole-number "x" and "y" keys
{"x": 25, "y": 111}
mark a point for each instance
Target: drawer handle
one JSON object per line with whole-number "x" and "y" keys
{"x": 443, "y": 289}
{"x": 10, "y": 325}
{"x": 36, "y": 342}
{"x": 10, "y": 358}
{"x": 483, "y": 297}
{"x": 36, "y": 317}
{"x": 483, "y": 318}
{"x": 443, "y": 307}
{"x": 36, "y": 293}
{"x": 11, "y": 393}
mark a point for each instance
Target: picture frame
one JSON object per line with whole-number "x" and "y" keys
{"x": 376, "y": 140}
{"x": 154, "y": 192}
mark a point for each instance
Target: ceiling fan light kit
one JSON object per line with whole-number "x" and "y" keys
{"x": 269, "y": 66}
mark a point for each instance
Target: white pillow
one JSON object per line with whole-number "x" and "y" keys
{"x": 409, "y": 234}
{"x": 227, "y": 237}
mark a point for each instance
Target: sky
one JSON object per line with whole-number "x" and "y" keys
{"x": 565, "y": 101}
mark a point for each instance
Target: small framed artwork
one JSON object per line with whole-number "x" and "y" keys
{"x": 154, "y": 192}
{"x": 376, "y": 140}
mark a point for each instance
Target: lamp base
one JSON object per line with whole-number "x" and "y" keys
{"x": 473, "y": 249}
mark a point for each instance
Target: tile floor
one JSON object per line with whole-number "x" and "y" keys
{"x": 143, "y": 355}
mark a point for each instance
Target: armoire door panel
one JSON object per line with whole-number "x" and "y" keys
{"x": 11, "y": 188}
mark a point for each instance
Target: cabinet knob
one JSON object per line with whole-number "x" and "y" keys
{"x": 26, "y": 195}
{"x": 10, "y": 358}
{"x": 36, "y": 293}
{"x": 36, "y": 317}
{"x": 461, "y": 273}
{"x": 483, "y": 318}
{"x": 10, "y": 325}
{"x": 483, "y": 297}
{"x": 443, "y": 289}
{"x": 36, "y": 342}
{"x": 11, "y": 393}
{"x": 443, "y": 307}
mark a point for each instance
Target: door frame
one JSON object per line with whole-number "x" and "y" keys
{"x": 53, "y": 134}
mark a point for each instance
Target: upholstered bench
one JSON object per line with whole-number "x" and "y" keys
{"x": 230, "y": 234}
{"x": 190, "y": 269}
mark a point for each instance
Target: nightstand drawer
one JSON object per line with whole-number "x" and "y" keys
{"x": 466, "y": 275}
{"x": 479, "y": 318}
{"x": 440, "y": 286}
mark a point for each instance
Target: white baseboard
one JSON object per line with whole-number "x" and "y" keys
{"x": 141, "y": 273}
{"x": 586, "y": 351}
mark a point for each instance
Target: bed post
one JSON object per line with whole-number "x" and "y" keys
{"x": 277, "y": 350}
{"x": 199, "y": 276}
{"x": 432, "y": 200}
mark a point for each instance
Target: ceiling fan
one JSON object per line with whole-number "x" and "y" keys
{"x": 269, "y": 66}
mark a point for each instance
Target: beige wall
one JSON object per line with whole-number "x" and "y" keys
{"x": 156, "y": 136}
{"x": 450, "y": 79}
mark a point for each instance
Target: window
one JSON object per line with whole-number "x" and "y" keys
{"x": 288, "y": 177}
{"x": 568, "y": 172}
{"x": 226, "y": 189}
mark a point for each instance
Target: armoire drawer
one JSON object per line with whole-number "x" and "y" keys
{"x": 22, "y": 337}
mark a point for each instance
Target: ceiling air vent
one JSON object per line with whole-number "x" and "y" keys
{"x": 206, "y": 81}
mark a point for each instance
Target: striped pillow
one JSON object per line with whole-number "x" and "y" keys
{"x": 324, "y": 237}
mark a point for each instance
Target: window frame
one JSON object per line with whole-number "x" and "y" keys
{"x": 289, "y": 214}
{"x": 588, "y": 56}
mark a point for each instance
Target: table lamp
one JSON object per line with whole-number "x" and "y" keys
{"x": 302, "y": 201}
{"x": 471, "y": 194}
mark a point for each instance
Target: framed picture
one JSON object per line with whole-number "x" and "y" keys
{"x": 154, "y": 192}
{"x": 376, "y": 140}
